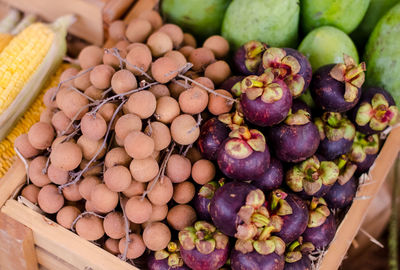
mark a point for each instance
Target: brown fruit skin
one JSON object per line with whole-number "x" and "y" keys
{"x": 66, "y": 216}
{"x": 116, "y": 30}
{"x": 114, "y": 225}
{"x": 177, "y": 87}
{"x": 66, "y": 156}
{"x": 174, "y": 32}
{"x": 90, "y": 227}
{"x": 194, "y": 154}
{"x": 159, "y": 44}
{"x": 156, "y": 236}
{"x": 164, "y": 69}
{"x": 127, "y": 123}
{"x": 134, "y": 189}
{"x": 68, "y": 74}
{"x": 49, "y": 199}
{"x": 132, "y": 209}
{"x": 189, "y": 40}
{"x": 56, "y": 175}
{"x": 159, "y": 213}
{"x": 90, "y": 56}
{"x": 207, "y": 82}
{"x": 90, "y": 147}
{"x": 111, "y": 60}
{"x": 178, "y": 168}
{"x": 178, "y": 57}
{"x": 35, "y": 171}
{"x": 62, "y": 123}
{"x": 218, "y": 45}
{"x": 46, "y": 115}
{"x": 136, "y": 246}
{"x": 167, "y": 109}
{"x": 117, "y": 178}
{"x": 218, "y": 72}
{"x": 71, "y": 193}
{"x": 218, "y": 105}
{"x": 101, "y": 75}
{"x": 186, "y": 50}
{"x": 184, "y": 192}
{"x": 41, "y": 135}
{"x": 117, "y": 156}
{"x": 48, "y": 98}
{"x": 138, "y": 30}
{"x": 162, "y": 191}
{"x": 25, "y": 147}
{"x": 142, "y": 103}
{"x": 160, "y": 134}
{"x": 181, "y": 216}
{"x": 201, "y": 58}
{"x": 82, "y": 81}
{"x": 94, "y": 92}
{"x": 159, "y": 90}
{"x": 73, "y": 104}
{"x": 122, "y": 81}
{"x": 111, "y": 245}
{"x": 153, "y": 17}
{"x": 86, "y": 186}
{"x": 103, "y": 199}
{"x": 31, "y": 192}
{"x": 135, "y": 139}
{"x": 193, "y": 100}
{"x": 139, "y": 56}
{"x": 107, "y": 111}
{"x": 94, "y": 127}
{"x": 203, "y": 171}
{"x": 184, "y": 129}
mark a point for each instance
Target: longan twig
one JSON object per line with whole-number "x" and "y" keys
{"x": 26, "y": 164}
{"x": 81, "y": 216}
{"x": 81, "y": 93}
{"x": 46, "y": 167}
{"x": 127, "y": 231}
{"x": 71, "y": 60}
{"x": 121, "y": 65}
{"x": 76, "y": 116}
{"x": 187, "y": 149}
{"x": 70, "y": 136}
{"x": 184, "y": 85}
{"x": 183, "y": 69}
{"x": 150, "y": 131}
{"x": 198, "y": 123}
{"x": 106, "y": 92}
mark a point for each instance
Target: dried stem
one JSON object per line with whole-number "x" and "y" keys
{"x": 198, "y": 123}
{"x": 69, "y": 79}
{"x": 70, "y": 136}
{"x": 150, "y": 131}
{"x": 76, "y": 116}
{"x": 184, "y": 85}
{"x": 26, "y": 164}
{"x": 126, "y": 222}
{"x": 187, "y": 149}
{"x": 81, "y": 216}
{"x": 46, "y": 167}
{"x": 81, "y": 93}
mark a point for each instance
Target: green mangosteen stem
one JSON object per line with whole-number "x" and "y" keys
{"x": 172, "y": 247}
{"x": 255, "y": 51}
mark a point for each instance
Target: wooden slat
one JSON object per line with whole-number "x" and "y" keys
{"x": 17, "y": 248}
{"x": 114, "y": 9}
{"x": 50, "y": 262}
{"x": 14, "y": 178}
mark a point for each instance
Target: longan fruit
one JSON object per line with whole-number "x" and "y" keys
{"x": 90, "y": 227}
{"x": 201, "y": 58}
{"x": 127, "y": 123}
{"x": 218, "y": 105}
{"x": 144, "y": 170}
{"x": 218, "y": 45}
{"x": 103, "y": 199}
{"x": 194, "y": 154}
{"x": 161, "y": 192}
{"x": 107, "y": 111}
{"x": 193, "y": 74}
{"x": 41, "y": 135}
{"x": 116, "y": 30}
{"x": 189, "y": 40}
{"x": 67, "y": 75}
{"x": 71, "y": 193}
{"x": 159, "y": 90}
{"x": 203, "y": 171}
{"x": 138, "y": 30}
{"x": 134, "y": 189}
{"x": 111, "y": 245}
{"x": 25, "y": 147}
{"x": 218, "y": 72}
{"x": 138, "y": 145}
{"x": 117, "y": 178}
{"x": 177, "y": 87}
{"x": 153, "y": 17}
{"x": 73, "y": 104}
{"x": 62, "y": 123}
{"x": 66, "y": 216}
{"x": 159, "y": 213}
{"x": 207, "y": 82}
{"x": 31, "y": 192}
{"x": 35, "y": 171}
{"x": 94, "y": 127}
{"x": 186, "y": 50}
{"x": 156, "y": 155}
{"x": 48, "y": 98}
{"x": 159, "y": 44}
{"x": 110, "y": 59}
{"x": 160, "y": 134}
{"x": 114, "y": 225}
{"x": 184, "y": 192}
{"x": 101, "y": 75}
{"x": 89, "y": 207}
{"x": 56, "y": 175}
{"x": 178, "y": 168}
{"x": 49, "y": 199}
{"x": 193, "y": 100}
{"x": 94, "y": 92}
{"x": 122, "y": 45}
{"x": 59, "y": 140}
{"x": 46, "y": 115}
{"x": 139, "y": 56}
{"x": 156, "y": 236}
{"x": 138, "y": 210}
{"x": 117, "y": 156}
{"x": 181, "y": 216}
{"x": 94, "y": 168}
{"x": 66, "y": 156}
{"x": 90, "y": 56}
{"x": 136, "y": 246}
{"x": 164, "y": 69}
{"x": 178, "y": 57}
{"x": 86, "y": 186}
{"x": 122, "y": 81}
{"x": 174, "y": 32}
{"x": 82, "y": 81}
{"x": 167, "y": 109}
{"x": 184, "y": 129}
{"x": 91, "y": 147}
{"x": 142, "y": 103}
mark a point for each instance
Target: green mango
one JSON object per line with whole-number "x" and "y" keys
{"x": 382, "y": 54}
{"x": 274, "y": 22}
{"x": 199, "y": 17}
{"x": 326, "y": 45}
{"x": 343, "y": 14}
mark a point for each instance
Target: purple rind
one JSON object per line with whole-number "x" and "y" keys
{"x": 333, "y": 149}
{"x": 256, "y": 261}
{"x": 199, "y": 261}
{"x": 303, "y": 264}
{"x": 212, "y": 134}
{"x": 153, "y": 264}
{"x": 340, "y": 196}
{"x": 321, "y": 236}
{"x": 272, "y": 178}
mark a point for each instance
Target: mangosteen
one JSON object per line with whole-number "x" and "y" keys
{"x": 265, "y": 100}
{"x": 296, "y": 255}
{"x": 298, "y": 104}
{"x": 289, "y": 65}
{"x": 272, "y": 178}
{"x": 203, "y": 198}
{"x": 336, "y": 133}
{"x": 166, "y": 259}
{"x": 248, "y": 57}
{"x": 312, "y": 177}
{"x": 244, "y": 155}
{"x": 232, "y": 84}
{"x": 375, "y": 111}
{"x": 364, "y": 151}
{"x": 337, "y": 87}
{"x": 203, "y": 247}
{"x": 321, "y": 226}
{"x": 296, "y": 139}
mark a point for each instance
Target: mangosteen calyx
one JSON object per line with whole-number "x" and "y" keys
{"x": 232, "y": 120}
{"x": 172, "y": 253}
{"x": 377, "y": 113}
{"x": 299, "y": 118}
{"x": 244, "y": 141}
{"x": 295, "y": 251}
{"x": 311, "y": 174}
{"x": 254, "y": 51}
{"x": 318, "y": 212}
{"x": 208, "y": 189}
{"x": 263, "y": 86}
{"x": 334, "y": 126}
{"x": 351, "y": 74}
{"x": 278, "y": 203}
{"x": 363, "y": 145}
{"x": 346, "y": 169}
{"x": 203, "y": 237}
{"x": 263, "y": 247}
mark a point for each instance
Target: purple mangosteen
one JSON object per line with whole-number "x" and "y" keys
{"x": 272, "y": 178}
{"x": 233, "y": 85}
{"x": 337, "y": 87}
{"x": 336, "y": 133}
{"x": 244, "y": 155}
{"x": 321, "y": 226}
{"x": 312, "y": 177}
{"x": 375, "y": 111}
{"x": 300, "y": 105}
{"x": 166, "y": 259}
{"x": 364, "y": 151}
{"x": 265, "y": 100}
{"x": 203, "y": 198}
{"x": 203, "y": 247}
{"x": 296, "y": 139}
{"x": 248, "y": 57}
{"x": 296, "y": 255}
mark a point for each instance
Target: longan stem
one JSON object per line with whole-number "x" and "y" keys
{"x": 26, "y": 164}
{"x": 81, "y": 93}
{"x": 187, "y": 149}
{"x": 150, "y": 131}
{"x": 121, "y": 65}
{"x": 71, "y": 60}
{"x": 81, "y": 216}
{"x": 184, "y": 85}
{"x": 46, "y": 167}
{"x": 181, "y": 70}
{"x": 198, "y": 123}
{"x": 126, "y": 223}
{"x": 77, "y": 129}
{"x": 76, "y": 116}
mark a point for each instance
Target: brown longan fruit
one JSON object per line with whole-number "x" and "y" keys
{"x": 134, "y": 189}
{"x": 66, "y": 156}
{"x": 193, "y": 74}
{"x": 90, "y": 56}
{"x": 94, "y": 127}
{"x": 122, "y": 45}
{"x": 184, "y": 192}
{"x": 193, "y": 100}
{"x": 127, "y": 123}
{"x": 138, "y": 30}
{"x": 116, "y": 30}
{"x": 61, "y": 139}
{"x": 89, "y": 207}
{"x": 139, "y": 56}
{"x": 207, "y": 82}
{"x": 174, "y": 32}
{"x": 41, "y": 135}
{"x": 203, "y": 171}
{"x": 144, "y": 170}
{"x": 107, "y": 111}
{"x": 72, "y": 103}
{"x": 159, "y": 44}
{"x": 136, "y": 246}
{"x": 62, "y": 123}
{"x": 66, "y": 76}
{"x": 103, "y": 199}
{"x": 138, "y": 145}
{"x": 90, "y": 227}
{"x": 177, "y": 87}
{"x": 117, "y": 178}
{"x": 122, "y": 81}
{"x": 36, "y": 171}
{"x": 82, "y": 81}
{"x": 137, "y": 210}
{"x": 94, "y": 92}
{"x": 178, "y": 57}
{"x": 218, "y": 105}
{"x": 86, "y": 186}
{"x": 194, "y": 154}
{"x": 114, "y": 225}
{"x": 189, "y": 40}
{"x": 112, "y": 246}
{"x": 153, "y": 17}
{"x": 91, "y": 147}
{"x": 46, "y": 115}
{"x": 181, "y": 216}
{"x": 184, "y": 129}
{"x": 156, "y": 236}
{"x": 178, "y": 168}
{"x": 159, "y": 212}
{"x": 31, "y": 192}
{"x": 164, "y": 69}
{"x": 201, "y": 58}
{"x": 25, "y": 147}
{"x": 110, "y": 59}
{"x": 167, "y": 109}
{"x": 71, "y": 193}
{"x": 94, "y": 168}
{"x": 161, "y": 192}
{"x": 186, "y": 51}
{"x": 101, "y": 75}
{"x": 218, "y": 72}
{"x": 117, "y": 156}
{"x": 160, "y": 134}
{"x": 48, "y": 100}
{"x": 56, "y": 175}
{"x": 159, "y": 90}
{"x": 66, "y": 216}
{"x": 49, "y": 199}
{"x": 142, "y": 103}
{"x": 218, "y": 45}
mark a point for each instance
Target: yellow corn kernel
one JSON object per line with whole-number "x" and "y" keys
{"x": 4, "y": 40}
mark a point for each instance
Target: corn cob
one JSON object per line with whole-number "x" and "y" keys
{"x": 5, "y": 38}
{"x": 31, "y": 116}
